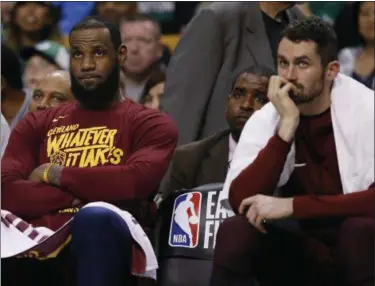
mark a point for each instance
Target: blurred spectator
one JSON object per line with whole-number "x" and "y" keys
{"x": 141, "y": 35}
{"x": 154, "y": 89}
{"x": 325, "y": 9}
{"x": 358, "y": 62}
{"x": 5, "y": 132}
{"x": 6, "y": 12}
{"x": 171, "y": 15}
{"x": 346, "y": 28}
{"x": 221, "y": 40}
{"x": 44, "y": 57}
{"x": 114, "y": 11}
{"x": 31, "y": 23}
{"x": 207, "y": 161}
{"x": 73, "y": 12}
{"x": 52, "y": 90}
{"x": 14, "y": 100}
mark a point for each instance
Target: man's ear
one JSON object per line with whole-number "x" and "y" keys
{"x": 333, "y": 69}
{"x": 123, "y": 54}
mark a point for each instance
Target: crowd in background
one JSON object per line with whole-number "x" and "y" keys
{"x": 36, "y": 32}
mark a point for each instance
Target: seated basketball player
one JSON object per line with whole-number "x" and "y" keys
{"x": 313, "y": 144}
{"x": 206, "y": 161}
{"x": 100, "y": 148}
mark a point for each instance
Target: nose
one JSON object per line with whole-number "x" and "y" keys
{"x": 43, "y": 104}
{"x": 291, "y": 74}
{"x": 133, "y": 48}
{"x": 247, "y": 103}
{"x": 132, "y": 45}
{"x": 88, "y": 64}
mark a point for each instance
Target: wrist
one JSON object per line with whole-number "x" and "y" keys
{"x": 287, "y": 128}
{"x": 291, "y": 206}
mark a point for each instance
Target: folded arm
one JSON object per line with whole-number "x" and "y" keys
{"x": 19, "y": 195}
{"x": 154, "y": 140}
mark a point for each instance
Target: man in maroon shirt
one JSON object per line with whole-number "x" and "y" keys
{"x": 316, "y": 234}
{"x": 100, "y": 148}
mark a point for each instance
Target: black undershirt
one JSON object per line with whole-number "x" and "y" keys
{"x": 274, "y": 30}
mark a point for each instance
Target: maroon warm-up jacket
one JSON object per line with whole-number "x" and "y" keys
{"x": 118, "y": 156}
{"x": 315, "y": 182}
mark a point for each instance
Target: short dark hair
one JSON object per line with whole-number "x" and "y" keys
{"x": 155, "y": 78}
{"x": 137, "y": 17}
{"x": 317, "y": 30}
{"x": 11, "y": 67}
{"x": 97, "y": 22}
{"x": 257, "y": 70}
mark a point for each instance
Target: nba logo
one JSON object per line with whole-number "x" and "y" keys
{"x": 185, "y": 220}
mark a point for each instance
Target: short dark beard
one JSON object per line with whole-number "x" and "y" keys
{"x": 303, "y": 98}
{"x": 102, "y": 95}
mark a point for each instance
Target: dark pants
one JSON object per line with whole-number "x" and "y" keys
{"x": 284, "y": 257}
{"x": 99, "y": 255}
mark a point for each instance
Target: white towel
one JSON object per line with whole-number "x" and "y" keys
{"x": 352, "y": 111}
{"x": 20, "y": 239}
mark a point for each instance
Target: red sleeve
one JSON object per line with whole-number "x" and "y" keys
{"x": 154, "y": 138}
{"x": 22, "y": 197}
{"x": 262, "y": 175}
{"x": 354, "y": 204}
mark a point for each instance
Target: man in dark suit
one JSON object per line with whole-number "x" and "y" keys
{"x": 207, "y": 161}
{"x": 220, "y": 41}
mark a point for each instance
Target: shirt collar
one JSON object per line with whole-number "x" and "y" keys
{"x": 232, "y": 147}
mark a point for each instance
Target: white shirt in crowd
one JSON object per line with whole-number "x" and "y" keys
{"x": 232, "y": 147}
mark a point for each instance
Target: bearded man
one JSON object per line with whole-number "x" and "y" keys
{"x": 302, "y": 176}
{"x": 101, "y": 147}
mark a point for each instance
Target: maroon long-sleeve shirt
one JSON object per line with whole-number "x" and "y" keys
{"x": 315, "y": 182}
{"x": 119, "y": 156}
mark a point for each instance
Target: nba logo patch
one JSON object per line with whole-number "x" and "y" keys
{"x": 185, "y": 220}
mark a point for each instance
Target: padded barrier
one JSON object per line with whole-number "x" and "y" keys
{"x": 187, "y": 225}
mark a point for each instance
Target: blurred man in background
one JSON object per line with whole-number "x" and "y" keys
{"x": 52, "y": 91}
{"x": 44, "y": 57}
{"x": 141, "y": 35}
{"x": 31, "y": 23}
{"x": 114, "y": 11}
{"x": 207, "y": 161}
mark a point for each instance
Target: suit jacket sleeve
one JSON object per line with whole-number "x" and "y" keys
{"x": 192, "y": 73}
{"x": 176, "y": 177}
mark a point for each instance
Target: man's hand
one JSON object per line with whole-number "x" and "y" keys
{"x": 37, "y": 174}
{"x": 278, "y": 93}
{"x": 259, "y": 208}
{"x": 54, "y": 174}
